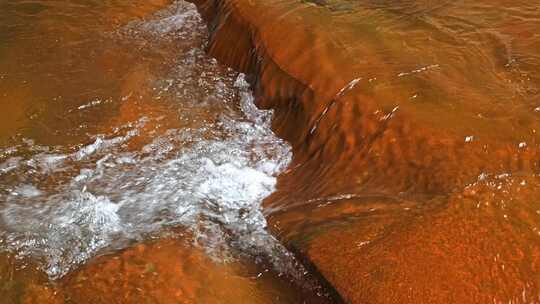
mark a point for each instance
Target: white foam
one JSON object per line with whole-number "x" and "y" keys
{"x": 26, "y": 190}
{"x": 10, "y": 164}
{"x": 210, "y": 180}
{"x": 92, "y": 103}
{"x": 185, "y": 15}
{"x": 101, "y": 143}
{"x": 247, "y": 104}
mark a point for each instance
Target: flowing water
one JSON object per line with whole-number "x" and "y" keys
{"x": 117, "y": 130}
{"x": 403, "y": 167}
{"x": 414, "y": 126}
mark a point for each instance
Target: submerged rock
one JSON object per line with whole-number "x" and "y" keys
{"x": 402, "y": 117}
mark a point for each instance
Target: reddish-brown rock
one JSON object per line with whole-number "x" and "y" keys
{"x": 402, "y": 118}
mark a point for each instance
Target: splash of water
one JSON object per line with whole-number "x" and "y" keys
{"x": 210, "y": 180}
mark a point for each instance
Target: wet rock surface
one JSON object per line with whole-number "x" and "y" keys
{"x": 413, "y": 127}
{"x": 168, "y": 270}
{"x": 414, "y": 136}
{"x": 172, "y": 271}
{"x": 132, "y": 131}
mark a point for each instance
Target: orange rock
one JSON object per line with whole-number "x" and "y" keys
{"x": 171, "y": 271}
{"x": 474, "y": 250}
{"x": 36, "y": 294}
{"x": 393, "y": 112}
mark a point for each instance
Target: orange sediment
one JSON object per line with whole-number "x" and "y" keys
{"x": 168, "y": 270}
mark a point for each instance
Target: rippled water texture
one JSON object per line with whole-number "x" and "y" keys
{"x": 414, "y": 127}
{"x": 395, "y": 145}
{"x": 121, "y": 137}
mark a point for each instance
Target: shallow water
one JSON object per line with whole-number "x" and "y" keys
{"x": 130, "y": 158}
{"x": 119, "y": 133}
{"x": 414, "y": 127}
